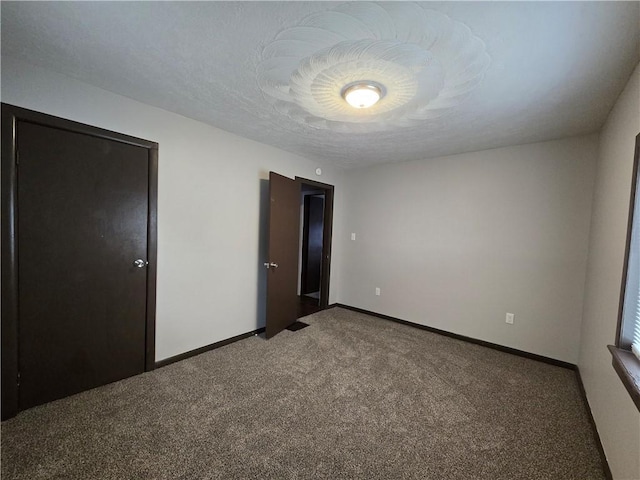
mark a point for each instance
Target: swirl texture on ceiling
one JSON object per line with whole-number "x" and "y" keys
{"x": 427, "y": 62}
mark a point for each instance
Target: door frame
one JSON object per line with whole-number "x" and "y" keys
{"x": 327, "y": 232}
{"x": 9, "y": 211}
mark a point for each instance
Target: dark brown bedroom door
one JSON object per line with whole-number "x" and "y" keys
{"x": 284, "y": 234}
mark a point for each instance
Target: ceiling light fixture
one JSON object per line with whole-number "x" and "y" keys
{"x": 424, "y": 64}
{"x": 363, "y": 94}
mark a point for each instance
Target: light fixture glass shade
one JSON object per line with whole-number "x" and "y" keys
{"x": 362, "y": 95}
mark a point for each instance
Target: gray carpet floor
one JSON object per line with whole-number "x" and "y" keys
{"x": 349, "y": 397}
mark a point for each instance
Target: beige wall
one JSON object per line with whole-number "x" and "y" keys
{"x": 457, "y": 242}
{"x": 615, "y": 414}
{"x": 210, "y": 188}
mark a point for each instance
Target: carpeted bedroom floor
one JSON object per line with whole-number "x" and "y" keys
{"x": 349, "y": 397}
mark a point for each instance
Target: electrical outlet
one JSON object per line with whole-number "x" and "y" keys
{"x": 378, "y": 291}
{"x": 353, "y": 236}
{"x": 509, "y": 319}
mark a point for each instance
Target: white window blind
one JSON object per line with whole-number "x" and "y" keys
{"x": 631, "y": 308}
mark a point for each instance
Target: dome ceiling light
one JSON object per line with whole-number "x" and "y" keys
{"x": 362, "y": 94}
{"x": 363, "y": 67}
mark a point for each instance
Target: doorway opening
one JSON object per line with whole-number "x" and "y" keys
{"x": 316, "y": 212}
{"x": 284, "y": 302}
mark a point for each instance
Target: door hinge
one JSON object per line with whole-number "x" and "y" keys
{"x": 18, "y": 379}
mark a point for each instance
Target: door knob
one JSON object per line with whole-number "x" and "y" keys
{"x": 140, "y": 263}
{"x": 269, "y": 265}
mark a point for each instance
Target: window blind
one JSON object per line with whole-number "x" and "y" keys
{"x": 631, "y": 308}
{"x": 635, "y": 314}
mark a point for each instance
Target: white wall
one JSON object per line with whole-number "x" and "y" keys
{"x": 616, "y": 416}
{"x": 210, "y": 185}
{"x": 456, "y": 242}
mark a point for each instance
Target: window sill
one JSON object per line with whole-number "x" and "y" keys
{"x": 627, "y": 366}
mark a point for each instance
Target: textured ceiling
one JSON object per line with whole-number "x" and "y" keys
{"x": 551, "y": 69}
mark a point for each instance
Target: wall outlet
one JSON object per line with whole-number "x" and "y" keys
{"x": 353, "y": 236}
{"x": 378, "y": 291}
{"x": 509, "y": 319}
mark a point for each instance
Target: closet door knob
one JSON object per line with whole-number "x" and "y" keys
{"x": 140, "y": 263}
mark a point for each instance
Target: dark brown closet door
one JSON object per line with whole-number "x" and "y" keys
{"x": 82, "y": 224}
